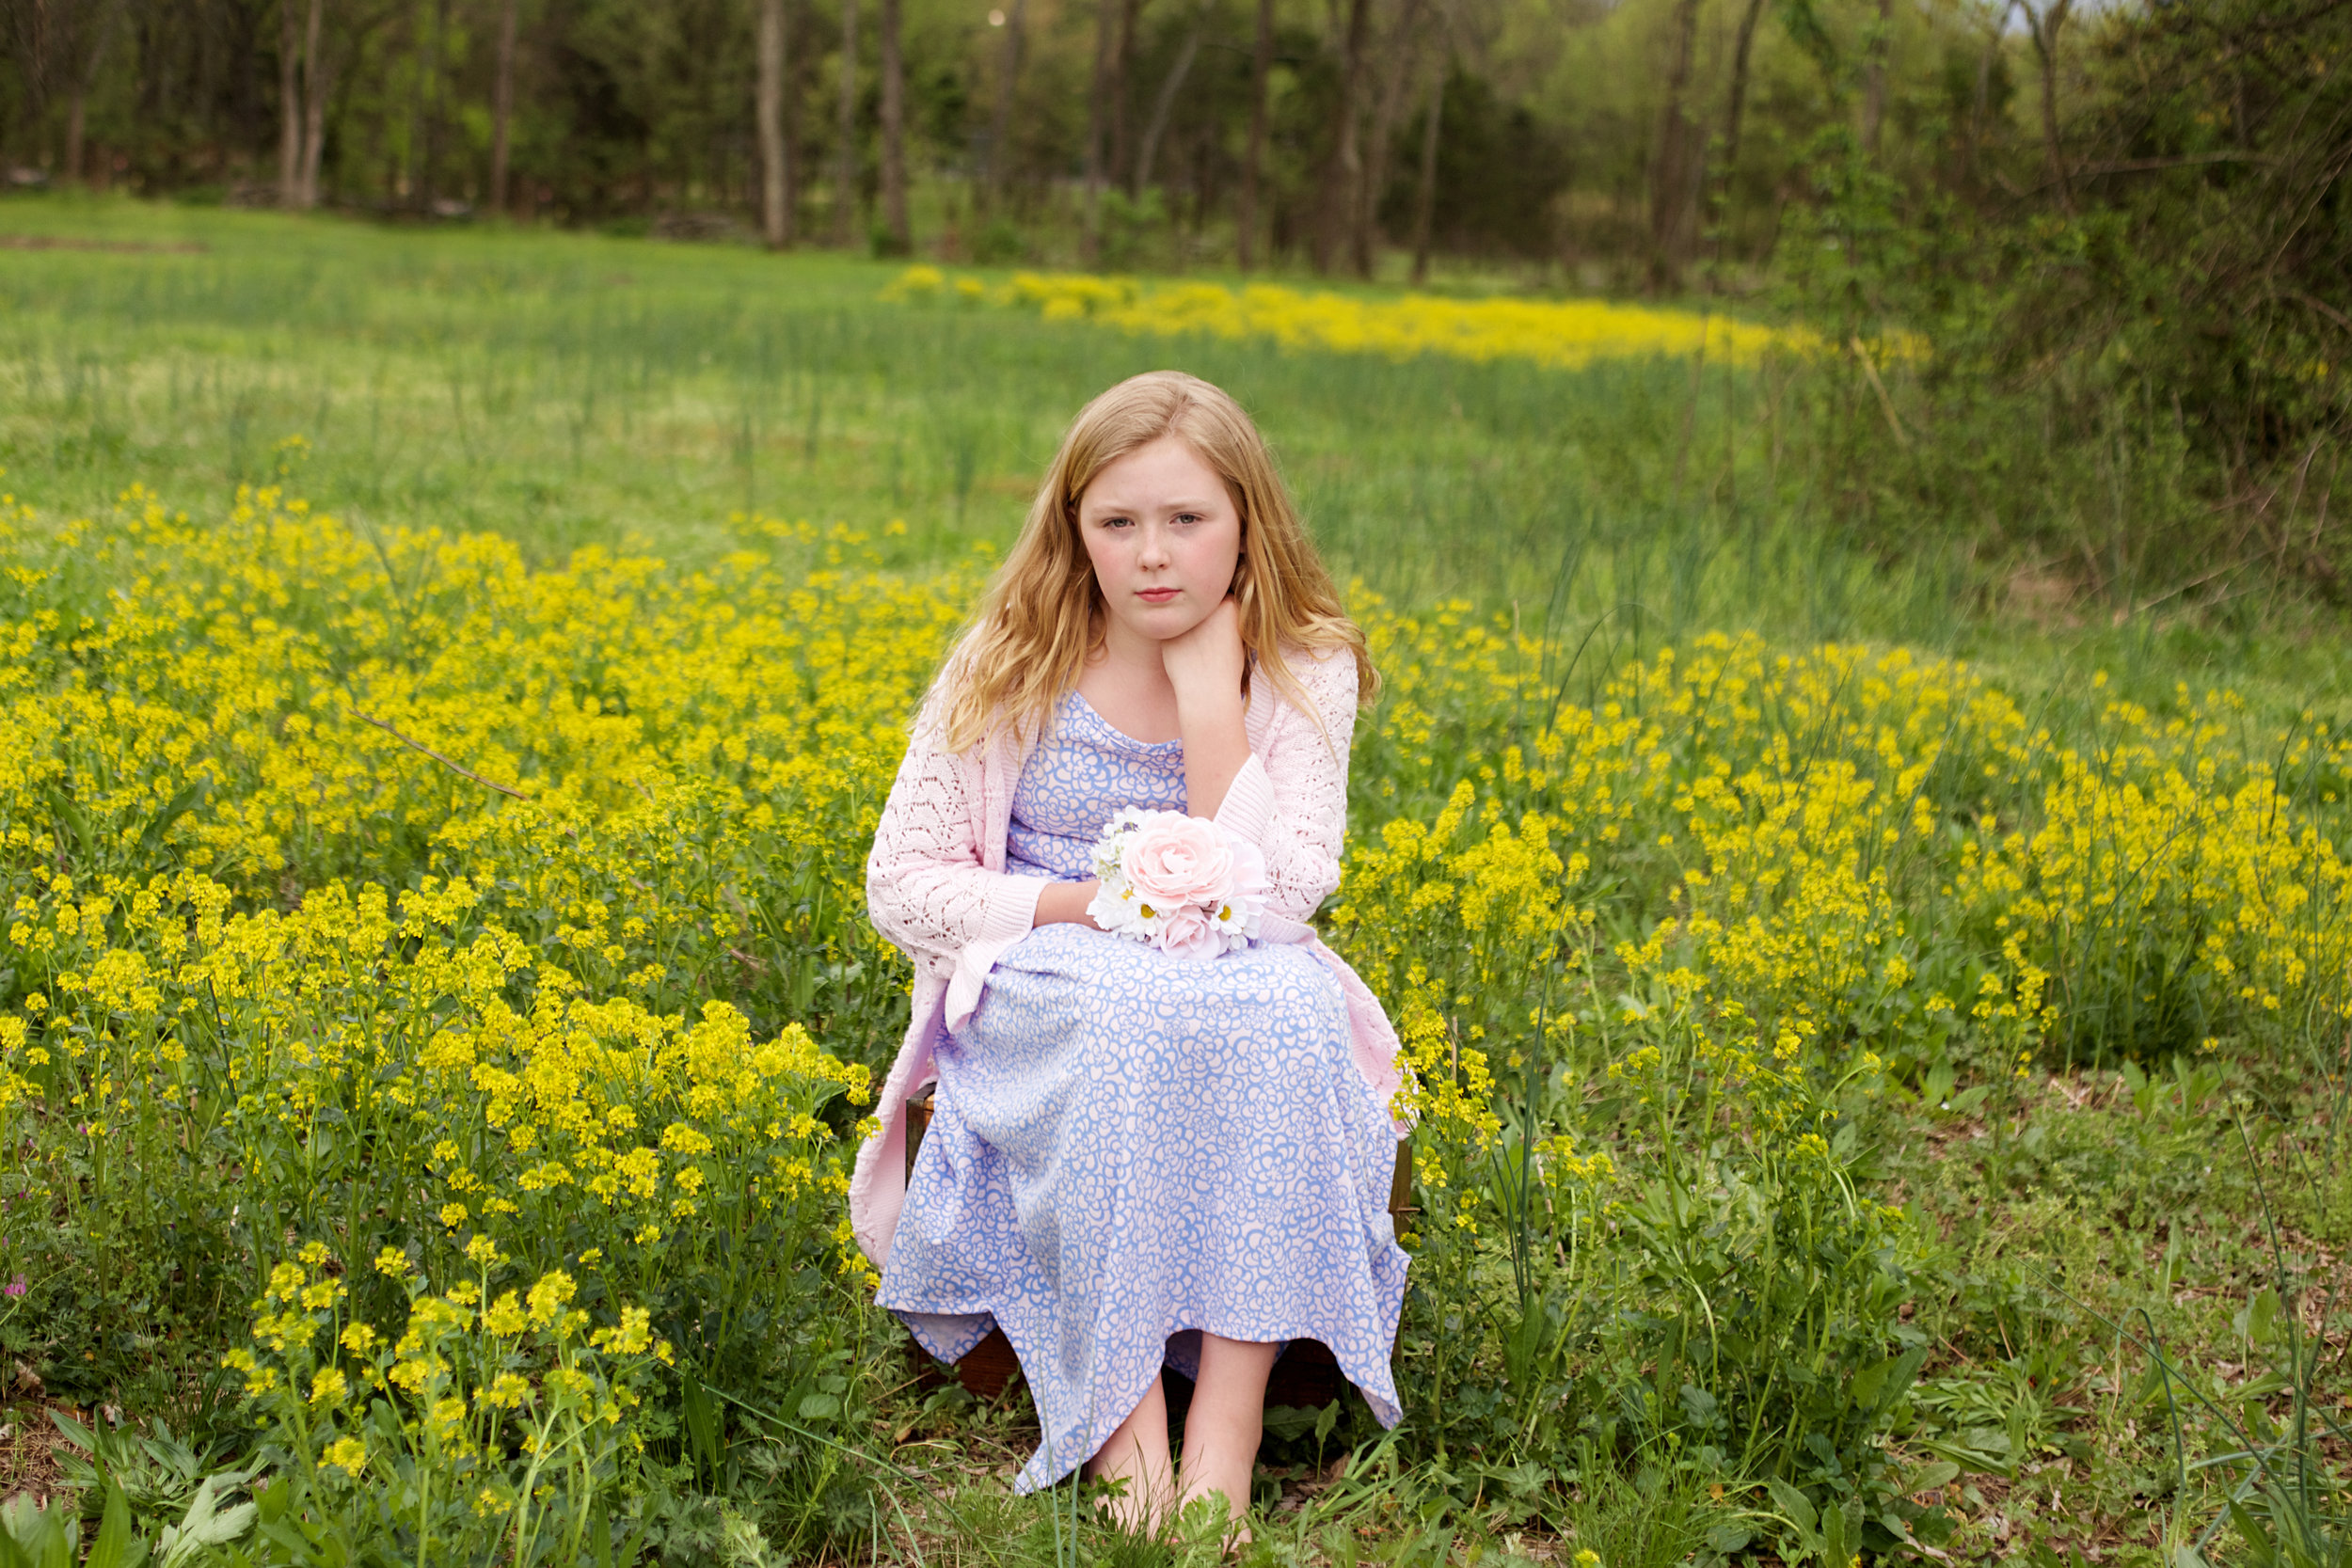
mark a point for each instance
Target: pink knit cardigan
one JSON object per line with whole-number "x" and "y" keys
{"x": 937, "y": 888}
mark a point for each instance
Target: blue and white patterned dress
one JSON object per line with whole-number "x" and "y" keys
{"x": 1128, "y": 1148}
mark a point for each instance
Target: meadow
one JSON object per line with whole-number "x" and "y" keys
{"x": 1883, "y": 1038}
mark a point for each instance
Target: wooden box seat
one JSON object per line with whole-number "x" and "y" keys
{"x": 1305, "y": 1376}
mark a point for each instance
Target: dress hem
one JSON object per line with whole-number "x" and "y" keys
{"x": 1385, "y": 1409}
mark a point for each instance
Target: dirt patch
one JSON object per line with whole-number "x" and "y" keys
{"x": 2042, "y": 596}
{"x": 28, "y": 1443}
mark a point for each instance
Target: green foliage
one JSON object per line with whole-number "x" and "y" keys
{"x": 1667, "y": 1306}
{"x": 2134, "y": 384}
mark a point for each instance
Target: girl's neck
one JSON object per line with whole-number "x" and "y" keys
{"x": 1130, "y": 658}
{"x": 1124, "y": 681}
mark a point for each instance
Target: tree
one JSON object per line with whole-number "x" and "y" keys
{"x": 1098, "y": 130}
{"x": 1000, "y": 129}
{"x": 845, "y": 153}
{"x": 1672, "y": 190}
{"x": 1171, "y": 85}
{"x": 1741, "y": 52}
{"x": 322, "y": 65}
{"x": 2044, "y": 23}
{"x": 1344, "y": 170}
{"x": 1874, "y": 77}
{"x": 898, "y": 233}
{"x": 1253, "y": 158}
{"x": 501, "y": 103}
{"x": 79, "y": 31}
{"x": 315, "y": 83}
{"x": 1425, "y": 202}
{"x": 288, "y": 106}
{"x": 775, "y": 158}
{"x": 1122, "y": 72}
{"x": 1402, "y": 46}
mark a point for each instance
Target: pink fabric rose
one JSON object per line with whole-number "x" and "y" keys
{"x": 1188, "y": 934}
{"x": 1178, "y": 861}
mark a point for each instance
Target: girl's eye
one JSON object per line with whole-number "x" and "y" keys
{"x": 1187, "y": 517}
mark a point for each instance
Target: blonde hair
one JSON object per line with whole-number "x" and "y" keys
{"x": 1042, "y": 613}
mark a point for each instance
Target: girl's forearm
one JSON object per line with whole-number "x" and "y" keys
{"x": 1059, "y": 902}
{"x": 1216, "y": 746}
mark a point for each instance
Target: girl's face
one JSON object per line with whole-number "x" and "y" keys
{"x": 1164, "y": 534}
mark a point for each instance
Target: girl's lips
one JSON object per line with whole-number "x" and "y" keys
{"x": 1157, "y": 595}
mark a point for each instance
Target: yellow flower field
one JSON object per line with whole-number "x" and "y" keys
{"x": 385, "y": 896}
{"x": 1563, "y": 334}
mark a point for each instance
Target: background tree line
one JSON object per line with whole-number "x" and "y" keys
{"x": 1640, "y": 135}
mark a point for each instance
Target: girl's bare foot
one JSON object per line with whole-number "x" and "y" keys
{"x": 1223, "y": 1427}
{"x": 1136, "y": 1455}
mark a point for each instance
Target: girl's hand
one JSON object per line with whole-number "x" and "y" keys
{"x": 1206, "y": 664}
{"x": 1059, "y": 902}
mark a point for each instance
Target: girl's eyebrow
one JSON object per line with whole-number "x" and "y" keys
{"x": 1180, "y": 504}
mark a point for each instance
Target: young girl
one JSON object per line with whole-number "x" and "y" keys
{"x": 1137, "y": 1158}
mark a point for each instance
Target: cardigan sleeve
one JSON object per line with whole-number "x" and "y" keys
{"x": 1289, "y": 798}
{"x": 926, "y": 889}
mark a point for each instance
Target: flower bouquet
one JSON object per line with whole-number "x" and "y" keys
{"x": 1182, "y": 883}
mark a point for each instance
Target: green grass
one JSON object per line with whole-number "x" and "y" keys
{"x": 568, "y": 391}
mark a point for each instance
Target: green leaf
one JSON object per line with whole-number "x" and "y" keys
{"x": 117, "y": 1545}
{"x": 2261, "y": 1550}
{"x": 1729, "y": 1536}
{"x": 72, "y": 1430}
{"x": 205, "y": 1523}
{"x": 1796, "y": 1505}
{"x": 2257, "y": 1321}
{"x": 1942, "y": 1473}
{"x": 1838, "y": 1547}
{"x": 820, "y": 1407}
{"x": 176, "y": 808}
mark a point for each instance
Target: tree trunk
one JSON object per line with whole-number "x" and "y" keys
{"x": 1425, "y": 201}
{"x": 1166, "y": 103}
{"x": 315, "y": 86}
{"x": 1742, "y": 50}
{"x": 501, "y": 106}
{"x": 427, "y": 141}
{"x": 1122, "y": 72}
{"x": 796, "y": 63}
{"x": 1671, "y": 189}
{"x": 1384, "y": 114}
{"x": 1098, "y": 132}
{"x": 1261, "y": 69}
{"x": 33, "y": 34}
{"x": 288, "y": 106}
{"x": 1981, "y": 101}
{"x": 845, "y": 151}
{"x": 1874, "y": 79}
{"x": 894, "y": 123}
{"x": 775, "y": 211}
{"x": 76, "y": 96}
{"x": 2044, "y": 25}
{"x": 1000, "y": 128}
{"x": 89, "y": 51}
{"x": 1346, "y": 168}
